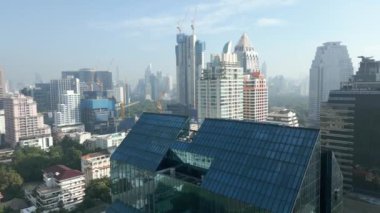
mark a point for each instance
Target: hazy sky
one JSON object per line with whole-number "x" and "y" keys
{"x": 48, "y": 36}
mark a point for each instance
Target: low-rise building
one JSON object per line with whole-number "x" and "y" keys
{"x": 283, "y": 116}
{"x": 62, "y": 188}
{"x": 95, "y": 165}
{"x": 81, "y": 137}
{"x": 43, "y": 142}
{"x": 105, "y": 141}
{"x": 6, "y": 155}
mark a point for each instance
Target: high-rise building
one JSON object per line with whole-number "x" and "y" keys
{"x": 255, "y": 91}
{"x": 264, "y": 69}
{"x": 148, "y": 86}
{"x": 95, "y": 80}
{"x": 283, "y": 116}
{"x": 2, "y": 88}
{"x": 350, "y": 128}
{"x": 189, "y": 62}
{"x": 220, "y": 87}
{"x": 68, "y": 112}
{"x": 22, "y": 122}
{"x": 255, "y": 97}
{"x": 228, "y": 166}
{"x": 119, "y": 93}
{"x": 41, "y": 95}
{"x": 98, "y": 115}
{"x": 331, "y": 66}
{"x": 247, "y": 55}
{"x": 59, "y": 87}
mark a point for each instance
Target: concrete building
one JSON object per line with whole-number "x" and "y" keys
{"x": 68, "y": 110}
{"x": 350, "y": 128}
{"x": 283, "y": 116}
{"x": 2, "y": 88}
{"x": 2, "y": 127}
{"x": 189, "y": 62}
{"x": 62, "y": 187}
{"x": 95, "y": 166}
{"x": 43, "y": 143}
{"x": 220, "y": 87}
{"x": 119, "y": 93}
{"x": 247, "y": 55}
{"x": 105, "y": 141}
{"x": 331, "y": 66}
{"x": 59, "y": 87}
{"x": 81, "y": 137}
{"x": 22, "y": 122}
{"x": 95, "y": 80}
{"x": 255, "y": 97}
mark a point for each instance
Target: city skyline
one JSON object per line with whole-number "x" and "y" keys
{"x": 105, "y": 36}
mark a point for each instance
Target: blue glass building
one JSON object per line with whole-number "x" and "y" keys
{"x": 226, "y": 166}
{"x": 99, "y": 115}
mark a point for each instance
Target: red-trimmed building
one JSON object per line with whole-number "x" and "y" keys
{"x": 255, "y": 97}
{"x": 62, "y": 188}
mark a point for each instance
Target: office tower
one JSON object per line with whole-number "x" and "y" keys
{"x": 41, "y": 95}
{"x": 350, "y": 128}
{"x": 220, "y": 87}
{"x": 95, "y": 80}
{"x": 189, "y": 61}
{"x": 22, "y": 122}
{"x": 228, "y": 166}
{"x": 62, "y": 188}
{"x": 98, "y": 115}
{"x": 264, "y": 69}
{"x": 247, "y": 55}
{"x": 255, "y": 97}
{"x": 119, "y": 93}
{"x": 58, "y": 87}
{"x": 2, "y": 88}
{"x": 147, "y": 83}
{"x": 2, "y": 127}
{"x": 331, "y": 66}
{"x": 283, "y": 116}
{"x": 68, "y": 112}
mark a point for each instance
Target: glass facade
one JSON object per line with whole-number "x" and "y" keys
{"x": 227, "y": 166}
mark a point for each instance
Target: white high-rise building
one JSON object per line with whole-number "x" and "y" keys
{"x": 58, "y": 87}
{"x": 68, "y": 112}
{"x": 23, "y": 124}
{"x": 283, "y": 116}
{"x": 119, "y": 93}
{"x": 189, "y": 62}
{"x": 248, "y": 57}
{"x": 220, "y": 87}
{"x": 331, "y": 66}
{"x": 255, "y": 98}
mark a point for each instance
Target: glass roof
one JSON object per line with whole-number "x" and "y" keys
{"x": 149, "y": 140}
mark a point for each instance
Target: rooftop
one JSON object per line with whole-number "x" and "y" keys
{"x": 250, "y": 162}
{"x": 61, "y": 172}
{"x": 95, "y": 154}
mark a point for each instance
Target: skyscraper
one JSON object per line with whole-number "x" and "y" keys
{"x": 331, "y": 66}
{"x": 23, "y": 123}
{"x": 68, "y": 112}
{"x": 220, "y": 87}
{"x": 255, "y": 91}
{"x": 189, "y": 62}
{"x": 148, "y": 86}
{"x": 58, "y": 87}
{"x": 2, "y": 88}
{"x": 247, "y": 55}
{"x": 94, "y": 79}
{"x": 350, "y": 128}
{"x": 255, "y": 98}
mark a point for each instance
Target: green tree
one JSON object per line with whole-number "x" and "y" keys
{"x": 10, "y": 182}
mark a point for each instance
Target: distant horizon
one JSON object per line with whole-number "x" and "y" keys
{"x": 48, "y": 37}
